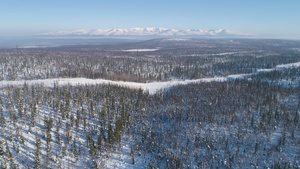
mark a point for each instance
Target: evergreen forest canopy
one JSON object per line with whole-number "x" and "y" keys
{"x": 249, "y": 122}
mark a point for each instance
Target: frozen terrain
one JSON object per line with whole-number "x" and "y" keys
{"x": 161, "y": 103}
{"x": 152, "y": 87}
{"x": 139, "y": 50}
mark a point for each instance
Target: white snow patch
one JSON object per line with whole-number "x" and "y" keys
{"x": 151, "y": 87}
{"x": 264, "y": 70}
{"x": 138, "y": 50}
{"x": 279, "y": 67}
{"x": 177, "y": 39}
{"x": 32, "y": 46}
{"x": 291, "y": 65}
{"x": 238, "y": 76}
{"x": 226, "y": 53}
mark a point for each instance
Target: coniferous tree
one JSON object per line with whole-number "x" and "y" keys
{"x": 48, "y": 125}
{"x": 10, "y": 158}
{"x": 1, "y": 149}
{"x": 34, "y": 114}
{"x": 110, "y": 134}
{"x": 72, "y": 120}
{"x": 132, "y": 155}
{"x": 78, "y": 117}
{"x": 38, "y": 153}
{"x": 20, "y": 106}
{"x": 99, "y": 142}
{"x": 68, "y": 133}
{"x": 75, "y": 150}
{"x": 58, "y": 139}
{"x": 3, "y": 124}
{"x": 93, "y": 150}
{"x": 118, "y": 131}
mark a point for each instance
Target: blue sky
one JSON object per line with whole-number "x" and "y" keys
{"x": 264, "y": 18}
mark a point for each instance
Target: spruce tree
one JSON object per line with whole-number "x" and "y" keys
{"x": 72, "y": 120}
{"x": 110, "y": 134}
{"x": 38, "y": 153}
{"x": 57, "y": 133}
{"x": 118, "y": 131}
{"x": 3, "y": 124}
{"x": 49, "y": 124}
{"x": 10, "y": 158}
{"x": 75, "y": 150}
{"x": 132, "y": 155}
{"x": 1, "y": 150}
{"x": 49, "y": 150}
{"x": 93, "y": 150}
{"x": 20, "y": 106}
{"x": 33, "y": 115}
{"x": 99, "y": 142}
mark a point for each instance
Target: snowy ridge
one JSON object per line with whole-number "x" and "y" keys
{"x": 149, "y": 32}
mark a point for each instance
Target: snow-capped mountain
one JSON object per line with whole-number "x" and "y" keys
{"x": 149, "y": 32}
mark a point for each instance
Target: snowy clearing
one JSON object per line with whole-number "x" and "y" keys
{"x": 177, "y": 39}
{"x": 285, "y": 66}
{"x": 151, "y": 87}
{"x": 138, "y": 50}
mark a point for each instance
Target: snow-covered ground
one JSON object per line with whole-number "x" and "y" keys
{"x": 279, "y": 67}
{"x": 285, "y": 66}
{"x": 116, "y": 158}
{"x": 152, "y": 87}
{"x": 138, "y": 50}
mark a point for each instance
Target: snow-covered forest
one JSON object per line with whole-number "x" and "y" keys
{"x": 162, "y": 103}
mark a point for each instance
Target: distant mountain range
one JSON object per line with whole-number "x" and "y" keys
{"x": 148, "y": 32}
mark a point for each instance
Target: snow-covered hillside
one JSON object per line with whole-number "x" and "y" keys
{"x": 149, "y": 32}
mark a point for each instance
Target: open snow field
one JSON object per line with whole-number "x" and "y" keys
{"x": 151, "y": 87}
{"x": 138, "y": 50}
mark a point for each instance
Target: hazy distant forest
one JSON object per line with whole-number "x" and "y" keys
{"x": 249, "y": 122}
